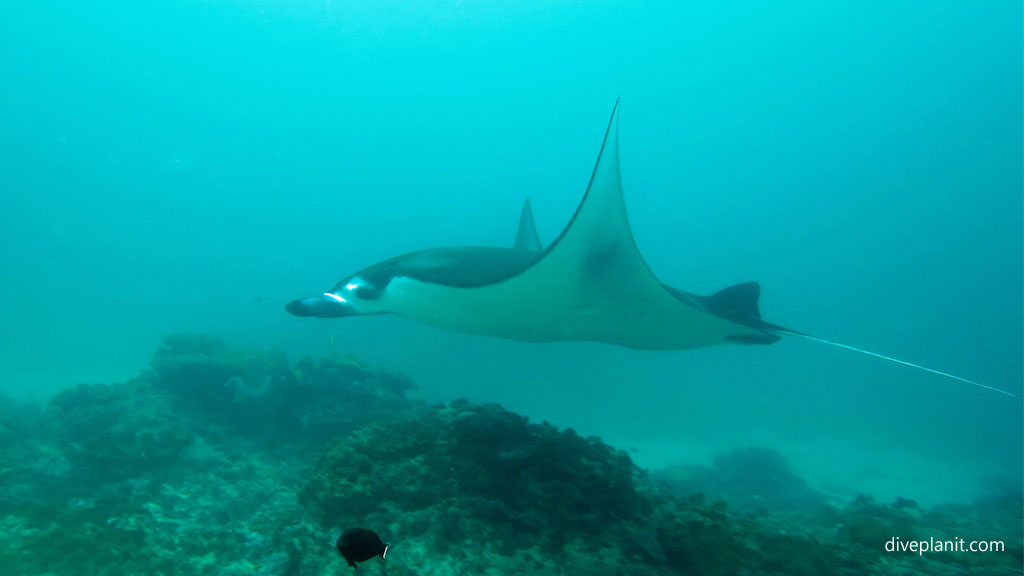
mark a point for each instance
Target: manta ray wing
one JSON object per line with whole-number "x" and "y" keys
{"x": 591, "y": 284}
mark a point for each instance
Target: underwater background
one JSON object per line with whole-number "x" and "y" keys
{"x": 188, "y": 167}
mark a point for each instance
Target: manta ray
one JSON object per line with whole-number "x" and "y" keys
{"x": 590, "y": 284}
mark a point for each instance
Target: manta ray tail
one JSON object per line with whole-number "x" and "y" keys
{"x": 891, "y": 359}
{"x": 739, "y": 304}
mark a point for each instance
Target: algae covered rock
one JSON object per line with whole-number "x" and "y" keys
{"x": 18, "y": 422}
{"x": 464, "y": 483}
{"x": 208, "y": 375}
{"x": 459, "y": 476}
{"x": 257, "y": 393}
{"x": 119, "y": 430}
{"x": 752, "y": 480}
{"x": 326, "y": 398}
{"x": 495, "y": 463}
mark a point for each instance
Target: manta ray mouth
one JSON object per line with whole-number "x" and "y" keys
{"x": 325, "y": 305}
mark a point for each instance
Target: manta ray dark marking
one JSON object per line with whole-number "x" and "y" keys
{"x": 590, "y": 284}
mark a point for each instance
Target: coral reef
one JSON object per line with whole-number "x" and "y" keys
{"x": 324, "y": 398}
{"x": 751, "y": 479}
{"x": 481, "y": 472}
{"x": 118, "y": 431}
{"x": 212, "y": 377}
{"x": 466, "y": 482}
{"x": 224, "y": 461}
{"x": 257, "y": 394}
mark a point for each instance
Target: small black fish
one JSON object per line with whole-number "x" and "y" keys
{"x": 361, "y": 544}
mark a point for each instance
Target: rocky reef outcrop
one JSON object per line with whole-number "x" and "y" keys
{"x": 227, "y": 461}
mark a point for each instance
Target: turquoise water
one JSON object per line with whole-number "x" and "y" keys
{"x": 192, "y": 166}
